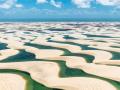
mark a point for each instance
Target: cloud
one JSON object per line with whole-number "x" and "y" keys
{"x": 7, "y": 4}
{"x": 109, "y": 2}
{"x": 41, "y": 1}
{"x": 87, "y": 3}
{"x": 82, "y": 3}
{"x": 56, "y": 4}
{"x": 19, "y": 5}
{"x": 52, "y": 2}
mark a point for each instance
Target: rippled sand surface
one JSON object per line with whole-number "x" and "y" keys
{"x": 60, "y": 56}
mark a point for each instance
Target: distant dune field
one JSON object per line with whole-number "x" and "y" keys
{"x": 60, "y": 56}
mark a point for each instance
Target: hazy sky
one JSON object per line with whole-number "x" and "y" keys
{"x": 66, "y": 9}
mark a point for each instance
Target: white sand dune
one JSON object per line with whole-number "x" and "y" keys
{"x": 7, "y": 53}
{"x": 43, "y": 53}
{"x": 110, "y": 62}
{"x": 72, "y": 48}
{"x": 101, "y": 70}
{"x": 97, "y": 45}
{"x": 47, "y": 73}
{"x": 106, "y": 48}
{"x": 99, "y": 55}
{"x": 13, "y": 44}
{"x": 98, "y": 70}
{"x": 12, "y": 82}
